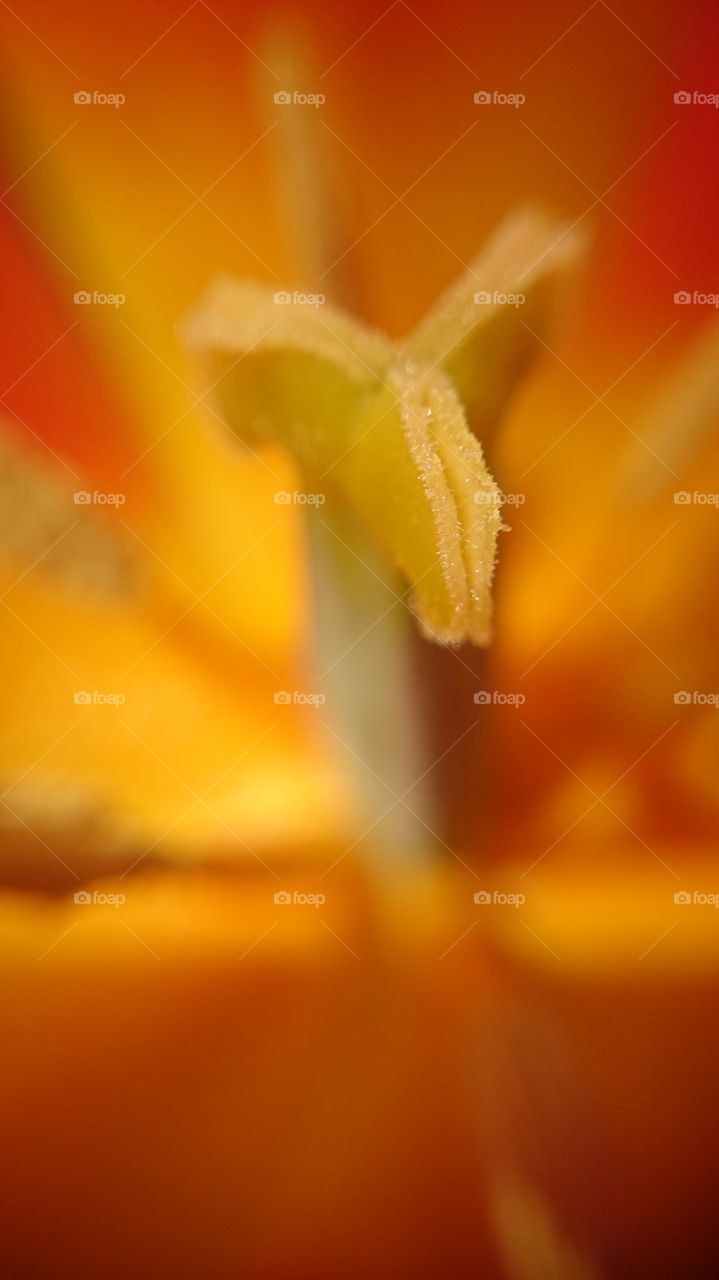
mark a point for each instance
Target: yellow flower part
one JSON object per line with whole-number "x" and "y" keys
{"x": 387, "y": 428}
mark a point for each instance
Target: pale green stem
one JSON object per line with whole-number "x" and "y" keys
{"x": 362, "y": 649}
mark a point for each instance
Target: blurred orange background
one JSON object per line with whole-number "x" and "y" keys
{"x": 404, "y": 1086}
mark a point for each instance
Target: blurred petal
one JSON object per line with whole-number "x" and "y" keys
{"x": 482, "y": 330}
